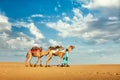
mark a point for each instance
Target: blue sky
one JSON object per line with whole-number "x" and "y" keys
{"x": 93, "y": 26}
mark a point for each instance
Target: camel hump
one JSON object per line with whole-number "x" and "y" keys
{"x": 56, "y": 47}
{"x": 35, "y": 48}
{"x": 61, "y": 48}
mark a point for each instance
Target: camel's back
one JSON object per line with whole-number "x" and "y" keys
{"x": 36, "y": 51}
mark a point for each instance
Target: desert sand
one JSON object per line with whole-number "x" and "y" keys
{"x": 18, "y": 71}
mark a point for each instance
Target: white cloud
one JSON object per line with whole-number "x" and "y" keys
{"x": 3, "y": 18}
{"x": 90, "y": 18}
{"x": 63, "y": 14}
{"x": 77, "y": 13}
{"x": 106, "y": 8}
{"x": 100, "y": 41}
{"x": 54, "y": 43}
{"x": 20, "y": 42}
{"x": 113, "y": 22}
{"x": 4, "y": 35}
{"x": 102, "y": 3}
{"x": 37, "y": 15}
{"x": 66, "y": 29}
{"x": 61, "y": 27}
{"x": 84, "y": 1}
{"x": 5, "y": 25}
{"x": 87, "y": 27}
{"x": 59, "y": 5}
{"x": 113, "y": 18}
{"x": 56, "y": 9}
{"x": 66, "y": 18}
{"x": 33, "y": 29}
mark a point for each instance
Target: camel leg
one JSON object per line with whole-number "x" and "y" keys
{"x": 36, "y": 62}
{"x": 28, "y": 58}
{"x": 59, "y": 61}
{"x": 41, "y": 62}
{"x": 48, "y": 60}
{"x": 26, "y": 62}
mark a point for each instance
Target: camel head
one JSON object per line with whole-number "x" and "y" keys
{"x": 70, "y": 48}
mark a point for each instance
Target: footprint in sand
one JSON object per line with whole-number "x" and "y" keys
{"x": 117, "y": 74}
{"x": 96, "y": 73}
{"x": 4, "y": 73}
{"x": 109, "y": 73}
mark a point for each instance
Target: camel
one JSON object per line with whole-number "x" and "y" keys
{"x": 35, "y": 52}
{"x": 57, "y": 51}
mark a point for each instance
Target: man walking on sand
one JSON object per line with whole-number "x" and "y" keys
{"x": 65, "y": 59}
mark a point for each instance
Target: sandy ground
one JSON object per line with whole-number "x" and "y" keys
{"x": 17, "y": 71}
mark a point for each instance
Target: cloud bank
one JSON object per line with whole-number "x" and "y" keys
{"x": 93, "y": 27}
{"x": 18, "y": 40}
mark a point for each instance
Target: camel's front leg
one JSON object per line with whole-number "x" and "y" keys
{"x": 36, "y": 62}
{"x": 29, "y": 60}
{"x": 48, "y": 60}
{"x": 41, "y": 62}
{"x": 39, "y": 59}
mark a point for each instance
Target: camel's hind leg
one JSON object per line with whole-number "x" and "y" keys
{"x": 59, "y": 62}
{"x": 26, "y": 62}
{"x": 39, "y": 59}
{"x": 48, "y": 60}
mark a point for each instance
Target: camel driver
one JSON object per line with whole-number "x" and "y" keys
{"x": 65, "y": 59}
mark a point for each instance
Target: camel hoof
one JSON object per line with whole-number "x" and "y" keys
{"x": 26, "y": 65}
{"x": 58, "y": 65}
{"x": 35, "y": 65}
{"x": 30, "y": 65}
{"x": 48, "y": 65}
{"x": 41, "y": 65}
{"x": 62, "y": 65}
{"x": 67, "y": 65}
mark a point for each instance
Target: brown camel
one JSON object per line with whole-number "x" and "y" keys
{"x": 57, "y": 51}
{"x": 35, "y": 52}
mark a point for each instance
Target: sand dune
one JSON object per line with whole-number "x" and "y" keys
{"x": 17, "y": 71}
